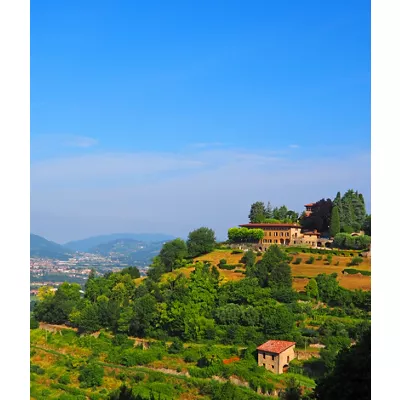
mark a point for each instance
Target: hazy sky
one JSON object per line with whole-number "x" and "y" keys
{"x": 167, "y": 116}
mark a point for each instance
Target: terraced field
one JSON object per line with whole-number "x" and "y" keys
{"x": 301, "y": 272}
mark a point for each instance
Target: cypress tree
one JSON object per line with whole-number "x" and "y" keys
{"x": 257, "y": 212}
{"x": 334, "y": 228}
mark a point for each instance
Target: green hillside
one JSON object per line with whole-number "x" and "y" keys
{"x": 41, "y": 247}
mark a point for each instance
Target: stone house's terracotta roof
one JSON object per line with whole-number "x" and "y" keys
{"x": 275, "y": 346}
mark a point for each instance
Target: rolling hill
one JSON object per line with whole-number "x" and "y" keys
{"x": 128, "y": 250}
{"x": 41, "y": 247}
{"x": 85, "y": 245}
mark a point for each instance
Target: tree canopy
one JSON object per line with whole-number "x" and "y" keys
{"x": 201, "y": 241}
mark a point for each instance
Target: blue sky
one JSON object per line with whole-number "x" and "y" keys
{"x": 164, "y": 116}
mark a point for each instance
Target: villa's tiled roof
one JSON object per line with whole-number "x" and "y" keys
{"x": 270, "y": 225}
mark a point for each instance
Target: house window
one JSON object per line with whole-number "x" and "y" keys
{"x": 275, "y": 241}
{"x": 281, "y": 234}
{"x": 288, "y": 359}
{"x": 273, "y": 366}
{"x": 273, "y": 358}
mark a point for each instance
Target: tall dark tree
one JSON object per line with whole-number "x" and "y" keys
{"x": 334, "y": 228}
{"x": 268, "y": 211}
{"x": 351, "y": 375}
{"x": 257, "y": 212}
{"x": 201, "y": 241}
{"x": 367, "y": 225}
{"x": 320, "y": 217}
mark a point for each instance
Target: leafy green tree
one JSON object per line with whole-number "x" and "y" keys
{"x": 268, "y": 211}
{"x": 133, "y": 272}
{"x": 292, "y": 216}
{"x": 245, "y": 235}
{"x": 271, "y": 258}
{"x": 328, "y": 287}
{"x": 34, "y": 324}
{"x": 367, "y": 225}
{"x": 257, "y": 212}
{"x": 56, "y": 309}
{"x": 176, "y": 346}
{"x": 201, "y": 241}
{"x": 144, "y": 315}
{"x": 351, "y": 375}
{"x": 249, "y": 259}
{"x": 277, "y": 320}
{"x": 334, "y": 228}
{"x": 280, "y": 276}
{"x": 91, "y": 375}
{"x": 292, "y": 390}
{"x": 156, "y": 269}
{"x": 88, "y": 319}
{"x": 172, "y": 253}
{"x": 280, "y": 213}
{"x": 312, "y": 289}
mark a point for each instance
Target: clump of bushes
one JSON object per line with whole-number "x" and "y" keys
{"x": 297, "y": 261}
{"x": 356, "y": 260}
{"x": 259, "y": 253}
{"x": 237, "y": 251}
{"x": 176, "y": 346}
{"x": 222, "y": 262}
{"x": 91, "y": 375}
{"x": 37, "y": 369}
{"x": 319, "y": 258}
{"x": 329, "y": 259}
{"x": 346, "y": 241}
{"x": 353, "y": 271}
{"x": 310, "y": 260}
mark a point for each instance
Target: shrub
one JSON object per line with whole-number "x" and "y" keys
{"x": 289, "y": 259}
{"x": 319, "y": 258}
{"x": 353, "y": 271}
{"x": 356, "y": 261}
{"x": 259, "y": 253}
{"x": 329, "y": 259}
{"x": 34, "y": 323}
{"x": 337, "y": 263}
{"x": 222, "y": 261}
{"x": 176, "y": 346}
{"x": 139, "y": 376}
{"x": 91, "y": 375}
{"x": 229, "y": 267}
{"x": 237, "y": 251}
{"x": 37, "y": 370}
{"x": 297, "y": 261}
{"x": 310, "y": 260}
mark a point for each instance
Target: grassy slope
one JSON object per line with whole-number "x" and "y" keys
{"x": 301, "y": 272}
{"x": 50, "y": 351}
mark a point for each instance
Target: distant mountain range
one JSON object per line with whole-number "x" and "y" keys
{"x": 85, "y": 245}
{"x": 128, "y": 250}
{"x": 41, "y": 247}
{"x": 122, "y": 247}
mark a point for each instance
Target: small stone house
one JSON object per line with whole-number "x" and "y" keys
{"x": 275, "y": 355}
